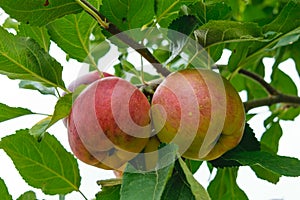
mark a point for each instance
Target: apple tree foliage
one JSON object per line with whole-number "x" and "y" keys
{"x": 251, "y": 30}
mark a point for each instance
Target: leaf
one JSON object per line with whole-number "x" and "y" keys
{"x": 224, "y": 185}
{"x": 265, "y": 174}
{"x": 287, "y": 40}
{"x": 29, "y": 195}
{"x": 39, "y": 34}
{"x": 182, "y": 185}
{"x": 289, "y": 113}
{"x": 7, "y": 112}
{"x": 221, "y": 31}
{"x": 283, "y": 82}
{"x": 198, "y": 190}
{"x": 23, "y": 58}
{"x": 109, "y": 193}
{"x": 33, "y": 85}
{"x": 39, "y": 129}
{"x": 45, "y": 165}
{"x": 287, "y": 20}
{"x": 248, "y": 143}
{"x": 270, "y": 138}
{"x": 4, "y": 192}
{"x": 61, "y": 110}
{"x": 128, "y": 14}
{"x": 209, "y": 11}
{"x": 282, "y": 165}
{"x": 11, "y": 23}
{"x": 39, "y": 13}
{"x": 168, "y": 10}
{"x": 72, "y": 33}
{"x": 152, "y": 183}
{"x": 240, "y": 51}
{"x": 184, "y": 24}
{"x": 193, "y": 165}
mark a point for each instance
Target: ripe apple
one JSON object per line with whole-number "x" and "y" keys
{"x": 85, "y": 79}
{"x": 109, "y": 123}
{"x": 200, "y": 111}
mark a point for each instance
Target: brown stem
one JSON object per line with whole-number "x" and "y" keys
{"x": 267, "y": 86}
{"x": 274, "y": 95}
{"x": 268, "y": 101}
{"x": 111, "y": 28}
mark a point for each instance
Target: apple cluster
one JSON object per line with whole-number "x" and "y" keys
{"x": 112, "y": 121}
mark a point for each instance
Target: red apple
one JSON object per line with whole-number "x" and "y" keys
{"x": 199, "y": 111}
{"x": 109, "y": 123}
{"x": 85, "y": 79}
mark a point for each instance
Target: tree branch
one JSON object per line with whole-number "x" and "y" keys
{"x": 271, "y": 90}
{"x": 111, "y": 28}
{"x": 268, "y": 101}
{"x": 274, "y": 95}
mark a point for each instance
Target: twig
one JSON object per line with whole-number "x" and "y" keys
{"x": 268, "y": 101}
{"x": 274, "y": 95}
{"x": 111, "y": 28}
{"x": 271, "y": 90}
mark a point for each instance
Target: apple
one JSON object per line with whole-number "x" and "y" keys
{"x": 85, "y": 79}
{"x": 109, "y": 123}
{"x": 200, "y": 111}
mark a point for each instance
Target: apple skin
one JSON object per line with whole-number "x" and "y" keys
{"x": 85, "y": 79}
{"x": 215, "y": 117}
{"x": 109, "y": 123}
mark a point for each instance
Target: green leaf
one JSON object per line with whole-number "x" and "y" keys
{"x": 128, "y": 14}
{"x": 270, "y": 139}
{"x": 198, "y": 190}
{"x": 72, "y": 33}
{"x": 240, "y": 51}
{"x": 109, "y": 192}
{"x": 193, "y": 165}
{"x": 152, "y": 183}
{"x": 39, "y": 34}
{"x": 4, "y": 194}
{"x": 23, "y": 58}
{"x": 221, "y": 31}
{"x": 266, "y": 174}
{"x": 168, "y": 10}
{"x": 289, "y": 113}
{"x": 61, "y": 110}
{"x": 209, "y": 11}
{"x": 33, "y": 85}
{"x": 287, "y": 20}
{"x": 29, "y": 195}
{"x": 11, "y": 23}
{"x": 39, "y": 12}
{"x": 288, "y": 40}
{"x": 7, "y": 112}
{"x": 224, "y": 185}
{"x": 282, "y": 165}
{"x": 45, "y": 165}
{"x": 184, "y": 24}
{"x": 283, "y": 82}
{"x": 215, "y": 52}
{"x": 39, "y": 129}
{"x": 182, "y": 185}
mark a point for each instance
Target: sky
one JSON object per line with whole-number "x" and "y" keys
{"x": 287, "y": 188}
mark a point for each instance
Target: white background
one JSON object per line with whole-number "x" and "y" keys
{"x": 288, "y": 188}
